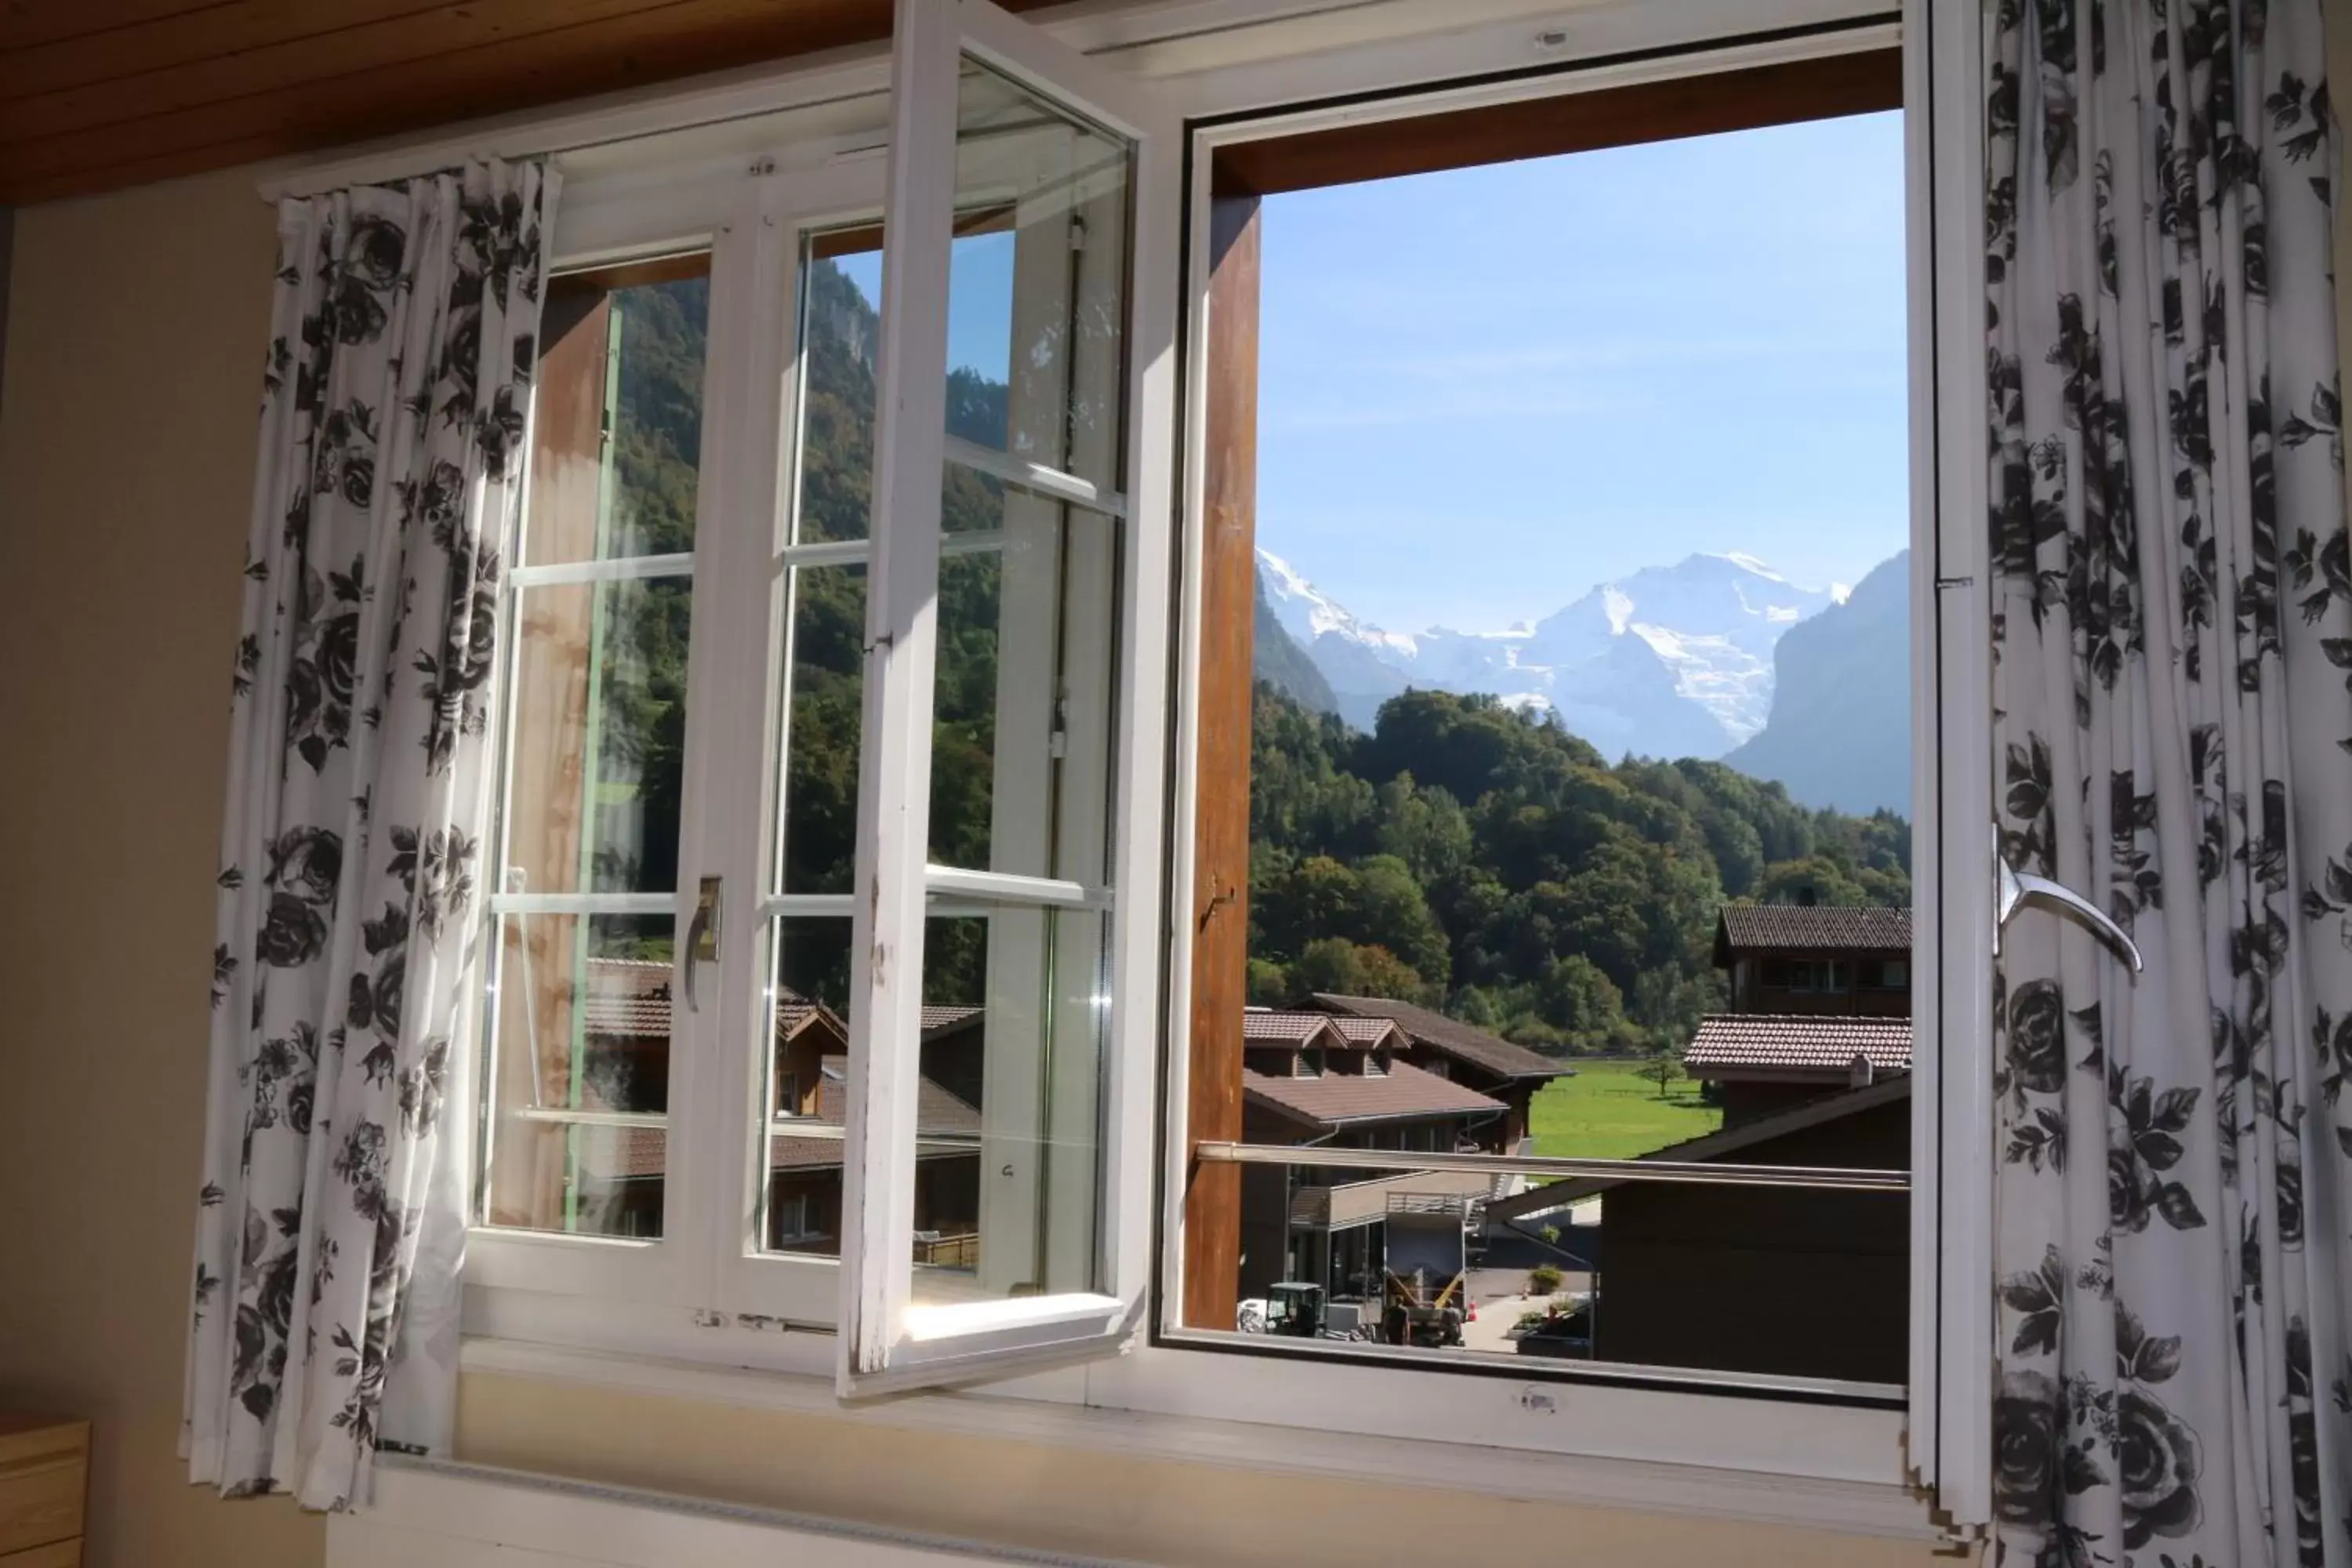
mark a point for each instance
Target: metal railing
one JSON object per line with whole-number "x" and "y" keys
{"x": 1699, "y": 1173}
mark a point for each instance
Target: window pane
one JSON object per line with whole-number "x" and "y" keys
{"x": 617, "y": 429}
{"x": 1008, "y": 1139}
{"x": 841, "y": 291}
{"x": 1035, "y": 352}
{"x": 808, "y": 1074}
{"x": 577, "y": 1052}
{"x": 824, "y": 669}
{"x": 598, "y": 737}
{"x": 841, "y": 297}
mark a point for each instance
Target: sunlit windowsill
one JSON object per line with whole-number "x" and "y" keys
{"x": 1191, "y": 1407}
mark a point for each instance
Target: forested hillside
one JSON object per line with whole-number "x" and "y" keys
{"x": 1458, "y": 854}
{"x": 1468, "y": 856}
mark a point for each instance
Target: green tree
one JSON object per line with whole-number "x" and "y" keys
{"x": 1662, "y": 1066}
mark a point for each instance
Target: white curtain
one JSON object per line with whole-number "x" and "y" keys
{"x": 2173, "y": 636}
{"x": 331, "y": 1223}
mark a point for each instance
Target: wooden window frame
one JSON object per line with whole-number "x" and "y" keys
{"x": 1241, "y": 173}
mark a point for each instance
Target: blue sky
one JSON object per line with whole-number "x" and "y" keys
{"x": 980, "y": 300}
{"x": 1482, "y": 392}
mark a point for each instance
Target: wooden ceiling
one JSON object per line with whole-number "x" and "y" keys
{"x": 100, "y": 94}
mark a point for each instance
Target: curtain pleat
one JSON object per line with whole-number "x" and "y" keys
{"x": 2172, "y": 642}
{"x": 331, "y": 1221}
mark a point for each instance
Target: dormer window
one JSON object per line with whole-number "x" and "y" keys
{"x": 1308, "y": 1063}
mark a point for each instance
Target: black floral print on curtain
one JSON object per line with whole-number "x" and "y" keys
{"x": 2172, "y": 642}
{"x": 331, "y": 1221}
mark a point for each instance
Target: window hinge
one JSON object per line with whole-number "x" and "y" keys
{"x": 1077, "y": 234}
{"x": 1057, "y": 744}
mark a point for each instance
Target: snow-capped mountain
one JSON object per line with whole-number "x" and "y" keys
{"x": 1671, "y": 661}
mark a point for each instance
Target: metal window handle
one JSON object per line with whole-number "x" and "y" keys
{"x": 701, "y": 940}
{"x": 2015, "y": 890}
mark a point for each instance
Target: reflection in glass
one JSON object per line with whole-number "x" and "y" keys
{"x": 623, "y": 360}
{"x": 579, "y": 1033}
{"x": 598, "y": 736}
{"x": 807, "y": 1100}
{"x": 1013, "y": 1043}
{"x": 823, "y": 692}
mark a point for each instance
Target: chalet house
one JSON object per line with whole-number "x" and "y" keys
{"x": 1814, "y": 1068}
{"x": 1806, "y": 1282}
{"x": 1347, "y": 1077}
{"x": 1809, "y": 958}
{"x": 627, "y": 1028}
{"x": 1821, "y": 1000}
{"x": 1453, "y": 1049}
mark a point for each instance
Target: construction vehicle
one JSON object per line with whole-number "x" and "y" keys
{"x": 1425, "y": 1296}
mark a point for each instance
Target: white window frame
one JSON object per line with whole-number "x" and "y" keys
{"x": 570, "y": 1290}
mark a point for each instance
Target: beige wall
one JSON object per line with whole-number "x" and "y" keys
{"x": 126, "y": 451}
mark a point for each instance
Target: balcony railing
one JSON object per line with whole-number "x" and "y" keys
{"x": 1724, "y": 1173}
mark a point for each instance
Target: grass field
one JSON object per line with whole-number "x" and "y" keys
{"x": 1608, "y": 1112}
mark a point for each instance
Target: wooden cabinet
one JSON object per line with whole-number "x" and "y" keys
{"x": 44, "y": 1475}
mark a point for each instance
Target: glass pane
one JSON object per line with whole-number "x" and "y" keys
{"x": 841, "y": 294}
{"x": 579, "y": 1035}
{"x": 617, "y": 429}
{"x": 824, "y": 669}
{"x": 1039, "y": 272}
{"x": 841, "y": 298}
{"x": 808, "y": 1085}
{"x": 964, "y": 711}
{"x": 1012, "y": 1056}
{"x": 597, "y": 747}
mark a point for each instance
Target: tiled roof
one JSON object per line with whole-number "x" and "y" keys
{"x": 631, "y": 997}
{"x": 1263, "y": 1026}
{"x": 936, "y": 1108}
{"x": 626, "y": 996}
{"x": 1734, "y": 1041}
{"x": 938, "y": 1020}
{"x": 1450, "y": 1036}
{"x": 1809, "y": 928}
{"x": 613, "y": 1153}
{"x": 1402, "y": 1093}
{"x": 1369, "y": 1031}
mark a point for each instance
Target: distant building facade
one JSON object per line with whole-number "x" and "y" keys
{"x": 1812, "y": 1068}
{"x": 1366, "y": 1073}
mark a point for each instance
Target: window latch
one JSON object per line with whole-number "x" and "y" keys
{"x": 701, "y": 940}
{"x": 2013, "y": 889}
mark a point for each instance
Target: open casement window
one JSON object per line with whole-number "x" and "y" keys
{"x": 1056, "y": 513}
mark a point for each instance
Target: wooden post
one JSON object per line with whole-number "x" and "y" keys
{"x": 1212, "y": 1196}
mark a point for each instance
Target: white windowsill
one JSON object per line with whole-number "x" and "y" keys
{"x": 1845, "y": 1506}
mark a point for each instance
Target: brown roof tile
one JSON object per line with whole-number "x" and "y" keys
{"x": 1450, "y": 1036}
{"x": 1737, "y": 1041}
{"x": 1809, "y": 928}
{"x": 631, "y": 997}
{"x": 1402, "y": 1093}
{"x": 1267, "y": 1027}
{"x": 938, "y": 1020}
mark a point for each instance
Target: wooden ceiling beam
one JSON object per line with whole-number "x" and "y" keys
{"x": 277, "y": 77}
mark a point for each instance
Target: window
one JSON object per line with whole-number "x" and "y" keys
{"x": 830, "y": 935}
{"x": 1387, "y": 802}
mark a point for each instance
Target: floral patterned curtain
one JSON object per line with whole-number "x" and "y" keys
{"x": 331, "y": 1218}
{"x": 2173, "y": 638}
